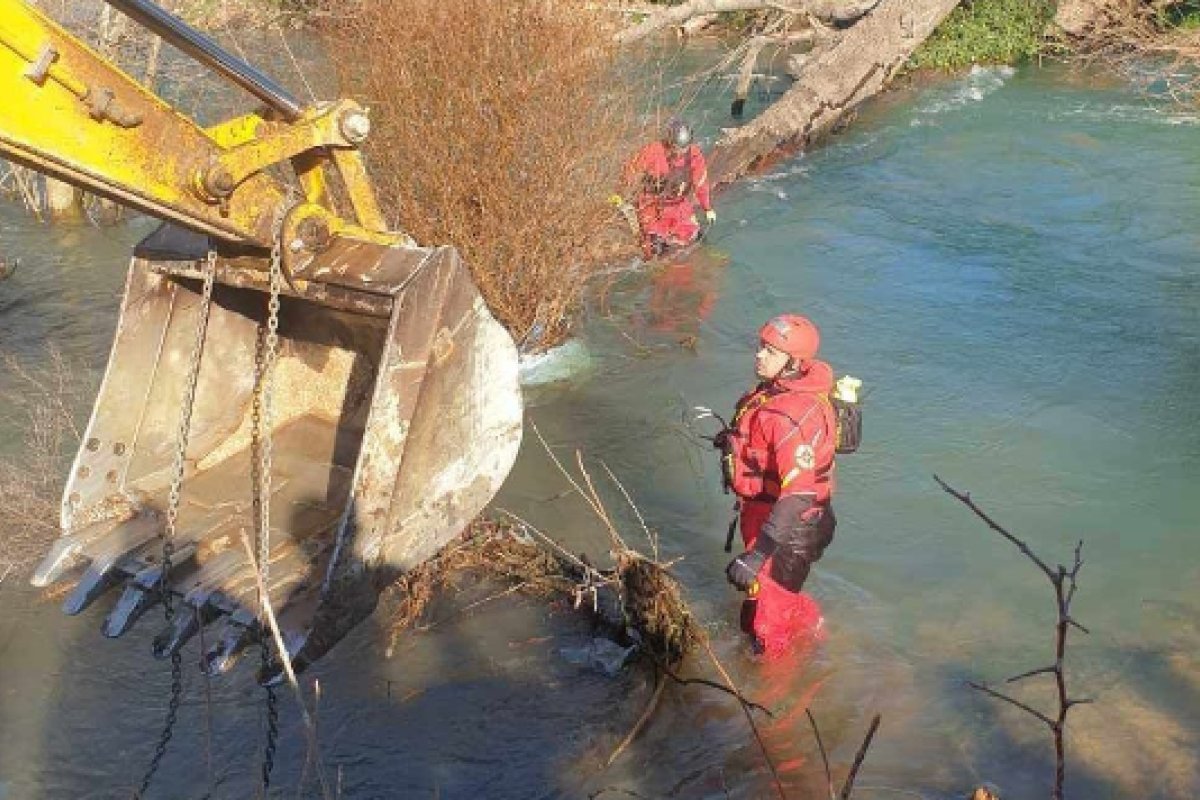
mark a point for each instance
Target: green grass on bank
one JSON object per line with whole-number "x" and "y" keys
{"x": 986, "y": 32}
{"x": 1183, "y": 16}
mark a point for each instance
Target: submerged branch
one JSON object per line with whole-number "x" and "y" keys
{"x": 1007, "y": 699}
{"x": 848, "y": 786}
{"x": 656, "y": 695}
{"x": 1064, "y": 583}
{"x": 965, "y": 499}
{"x": 812, "y": 721}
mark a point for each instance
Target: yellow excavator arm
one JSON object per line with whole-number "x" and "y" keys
{"x": 71, "y": 114}
{"x": 297, "y": 400}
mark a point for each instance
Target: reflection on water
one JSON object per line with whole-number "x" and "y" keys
{"x": 1010, "y": 263}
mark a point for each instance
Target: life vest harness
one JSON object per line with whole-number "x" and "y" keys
{"x": 773, "y": 483}
{"x": 675, "y": 184}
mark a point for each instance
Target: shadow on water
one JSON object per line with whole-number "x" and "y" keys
{"x": 1014, "y": 750}
{"x": 479, "y": 705}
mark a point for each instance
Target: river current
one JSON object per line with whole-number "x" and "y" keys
{"x": 1009, "y": 262}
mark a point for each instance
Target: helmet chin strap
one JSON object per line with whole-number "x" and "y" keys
{"x": 791, "y": 369}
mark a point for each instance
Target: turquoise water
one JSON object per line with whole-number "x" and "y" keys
{"x": 1009, "y": 262}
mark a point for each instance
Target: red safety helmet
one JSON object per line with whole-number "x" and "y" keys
{"x": 792, "y": 334}
{"x": 677, "y": 133}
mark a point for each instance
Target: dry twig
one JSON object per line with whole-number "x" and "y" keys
{"x": 812, "y": 720}
{"x": 848, "y": 786}
{"x": 651, "y": 706}
{"x": 268, "y": 612}
{"x": 44, "y": 401}
{"x": 1063, "y": 580}
{"x": 1137, "y": 40}
{"x": 499, "y": 128}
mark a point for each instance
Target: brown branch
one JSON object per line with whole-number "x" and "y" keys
{"x": 966, "y": 500}
{"x": 821, "y": 747}
{"x": 677, "y": 15}
{"x": 730, "y": 690}
{"x": 1007, "y": 699}
{"x": 848, "y": 786}
{"x": 1031, "y": 673}
{"x": 762, "y": 746}
{"x": 659, "y": 685}
{"x": 636, "y": 511}
{"x": 1064, "y": 583}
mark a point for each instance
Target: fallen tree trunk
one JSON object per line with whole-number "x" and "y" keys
{"x": 830, "y": 11}
{"x": 855, "y": 66}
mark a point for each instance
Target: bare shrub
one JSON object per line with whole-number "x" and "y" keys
{"x": 44, "y": 402}
{"x": 501, "y": 128}
{"x": 1156, "y": 44}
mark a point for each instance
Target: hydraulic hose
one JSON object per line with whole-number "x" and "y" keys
{"x": 178, "y": 33}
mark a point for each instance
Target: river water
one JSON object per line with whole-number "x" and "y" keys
{"x": 1009, "y": 262}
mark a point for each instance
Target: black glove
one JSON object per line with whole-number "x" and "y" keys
{"x": 743, "y": 570}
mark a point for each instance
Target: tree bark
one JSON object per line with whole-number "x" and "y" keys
{"x": 839, "y": 11}
{"x": 835, "y": 81}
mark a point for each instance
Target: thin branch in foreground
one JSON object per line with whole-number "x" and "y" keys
{"x": 821, "y": 746}
{"x": 1030, "y": 674}
{"x": 730, "y": 690}
{"x": 310, "y": 727}
{"x": 1007, "y": 699}
{"x": 655, "y": 697}
{"x": 965, "y": 499}
{"x": 650, "y": 537}
{"x": 848, "y": 786}
{"x": 1064, "y": 582}
{"x": 762, "y": 746}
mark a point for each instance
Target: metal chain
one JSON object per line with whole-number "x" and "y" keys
{"x": 173, "y": 495}
{"x": 270, "y": 355}
{"x": 272, "y": 738}
{"x": 266, "y": 355}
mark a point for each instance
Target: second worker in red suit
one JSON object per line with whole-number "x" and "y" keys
{"x": 666, "y": 175}
{"x": 779, "y": 460}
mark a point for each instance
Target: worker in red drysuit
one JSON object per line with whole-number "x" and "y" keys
{"x": 779, "y": 460}
{"x": 666, "y": 174}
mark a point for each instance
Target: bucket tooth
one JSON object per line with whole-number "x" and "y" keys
{"x": 187, "y": 623}
{"x": 98, "y": 579}
{"x": 141, "y": 592}
{"x": 224, "y": 654}
{"x": 91, "y": 541}
{"x": 69, "y": 552}
{"x": 130, "y": 606}
{"x": 109, "y": 551}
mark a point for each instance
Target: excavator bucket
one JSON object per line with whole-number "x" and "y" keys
{"x": 394, "y": 417}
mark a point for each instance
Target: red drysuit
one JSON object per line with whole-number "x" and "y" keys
{"x": 780, "y": 462}
{"x": 668, "y": 179}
